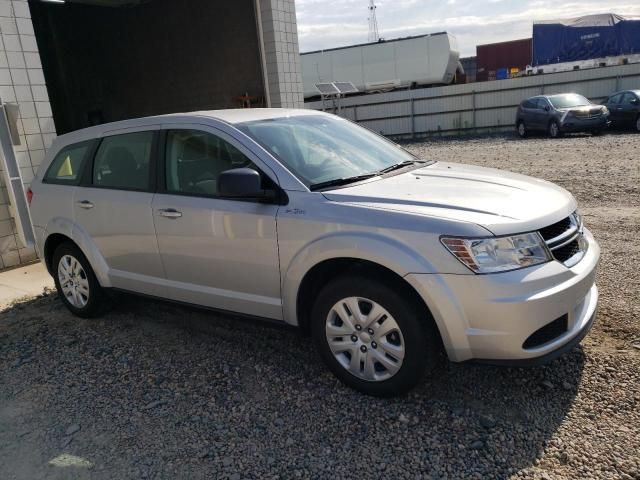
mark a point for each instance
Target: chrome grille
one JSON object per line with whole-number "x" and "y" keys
{"x": 586, "y": 114}
{"x": 565, "y": 240}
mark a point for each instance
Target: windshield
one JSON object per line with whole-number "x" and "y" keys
{"x": 320, "y": 148}
{"x": 568, "y": 101}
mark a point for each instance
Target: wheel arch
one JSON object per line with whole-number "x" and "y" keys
{"x": 333, "y": 268}
{"x": 59, "y": 231}
{"x": 328, "y": 269}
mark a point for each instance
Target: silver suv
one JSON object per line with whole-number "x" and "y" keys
{"x": 303, "y": 217}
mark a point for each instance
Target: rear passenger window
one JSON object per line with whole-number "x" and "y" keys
{"x": 122, "y": 161}
{"x": 67, "y": 165}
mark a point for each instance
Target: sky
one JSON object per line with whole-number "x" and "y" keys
{"x": 334, "y": 23}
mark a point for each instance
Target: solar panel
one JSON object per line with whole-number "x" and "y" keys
{"x": 327, "y": 88}
{"x": 345, "y": 87}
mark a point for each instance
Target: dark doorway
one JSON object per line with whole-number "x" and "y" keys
{"x": 137, "y": 58}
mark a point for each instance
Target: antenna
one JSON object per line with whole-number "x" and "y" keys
{"x": 373, "y": 22}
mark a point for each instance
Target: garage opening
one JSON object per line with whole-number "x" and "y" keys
{"x": 108, "y": 60}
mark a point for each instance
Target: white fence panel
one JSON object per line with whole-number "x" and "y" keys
{"x": 474, "y": 107}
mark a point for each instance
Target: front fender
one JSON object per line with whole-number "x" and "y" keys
{"x": 371, "y": 247}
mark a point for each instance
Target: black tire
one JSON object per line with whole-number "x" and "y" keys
{"x": 97, "y": 301}
{"x": 521, "y": 129}
{"x": 554, "y": 132}
{"x": 637, "y": 125}
{"x": 421, "y": 339}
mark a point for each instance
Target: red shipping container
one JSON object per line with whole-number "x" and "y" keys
{"x": 493, "y": 56}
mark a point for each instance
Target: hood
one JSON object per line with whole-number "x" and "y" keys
{"x": 502, "y": 202}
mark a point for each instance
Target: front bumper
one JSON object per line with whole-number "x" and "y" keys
{"x": 489, "y": 317}
{"x": 574, "y": 124}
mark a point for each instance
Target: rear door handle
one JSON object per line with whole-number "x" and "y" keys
{"x": 170, "y": 213}
{"x": 86, "y": 204}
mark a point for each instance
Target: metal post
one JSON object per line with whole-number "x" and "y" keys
{"x": 13, "y": 181}
{"x": 473, "y": 106}
{"x": 413, "y": 117}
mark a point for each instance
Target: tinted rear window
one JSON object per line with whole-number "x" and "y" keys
{"x": 67, "y": 167}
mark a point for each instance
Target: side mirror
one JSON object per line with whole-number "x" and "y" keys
{"x": 546, "y": 108}
{"x": 242, "y": 183}
{"x": 635, "y": 101}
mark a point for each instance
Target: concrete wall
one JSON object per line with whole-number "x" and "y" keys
{"x": 474, "y": 107}
{"x": 22, "y": 81}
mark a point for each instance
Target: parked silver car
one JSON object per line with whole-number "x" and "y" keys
{"x": 306, "y": 218}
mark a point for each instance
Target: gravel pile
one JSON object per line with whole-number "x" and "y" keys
{"x": 154, "y": 390}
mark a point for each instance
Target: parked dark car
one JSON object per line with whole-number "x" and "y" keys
{"x": 558, "y": 114}
{"x": 625, "y": 109}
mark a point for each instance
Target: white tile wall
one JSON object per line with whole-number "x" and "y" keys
{"x": 280, "y": 37}
{"x": 22, "y": 81}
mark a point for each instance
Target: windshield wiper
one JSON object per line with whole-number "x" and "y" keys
{"x": 400, "y": 165}
{"x": 336, "y": 182}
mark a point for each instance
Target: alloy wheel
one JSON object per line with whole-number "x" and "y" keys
{"x": 522, "y": 130}
{"x": 73, "y": 281}
{"x": 553, "y": 130}
{"x": 365, "y": 339}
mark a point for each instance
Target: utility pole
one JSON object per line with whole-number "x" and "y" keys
{"x": 373, "y": 22}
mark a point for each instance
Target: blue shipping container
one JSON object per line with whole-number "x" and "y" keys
{"x": 502, "y": 74}
{"x": 583, "y": 38}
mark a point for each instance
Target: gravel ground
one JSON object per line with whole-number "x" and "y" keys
{"x": 154, "y": 390}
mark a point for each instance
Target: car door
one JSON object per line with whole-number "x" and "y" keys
{"x": 628, "y": 109}
{"x": 529, "y": 114}
{"x": 216, "y": 252}
{"x": 112, "y": 208}
{"x": 615, "y": 110}
{"x": 542, "y": 113}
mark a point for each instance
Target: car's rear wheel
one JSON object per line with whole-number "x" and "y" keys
{"x": 76, "y": 283}
{"x": 372, "y": 337}
{"x": 522, "y": 129}
{"x": 554, "y": 129}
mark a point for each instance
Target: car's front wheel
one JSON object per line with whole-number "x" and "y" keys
{"x": 638, "y": 124}
{"x": 521, "y": 129}
{"x": 554, "y": 129}
{"x": 76, "y": 283}
{"x": 373, "y": 337}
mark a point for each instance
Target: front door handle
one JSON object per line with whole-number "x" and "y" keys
{"x": 86, "y": 204}
{"x": 170, "y": 213}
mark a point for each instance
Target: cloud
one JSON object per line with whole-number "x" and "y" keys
{"x": 331, "y": 23}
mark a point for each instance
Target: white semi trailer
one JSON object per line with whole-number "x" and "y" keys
{"x": 388, "y": 64}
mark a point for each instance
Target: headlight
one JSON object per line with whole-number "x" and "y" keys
{"x": 498, "y": 254}
{"x": 605, "y": 111}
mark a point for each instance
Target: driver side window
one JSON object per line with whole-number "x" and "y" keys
{"x": 195, "y": 159}
{"x": 629, "y": 99}
{"x": 615, "y": 99}
{"x": 542, "y": 103}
